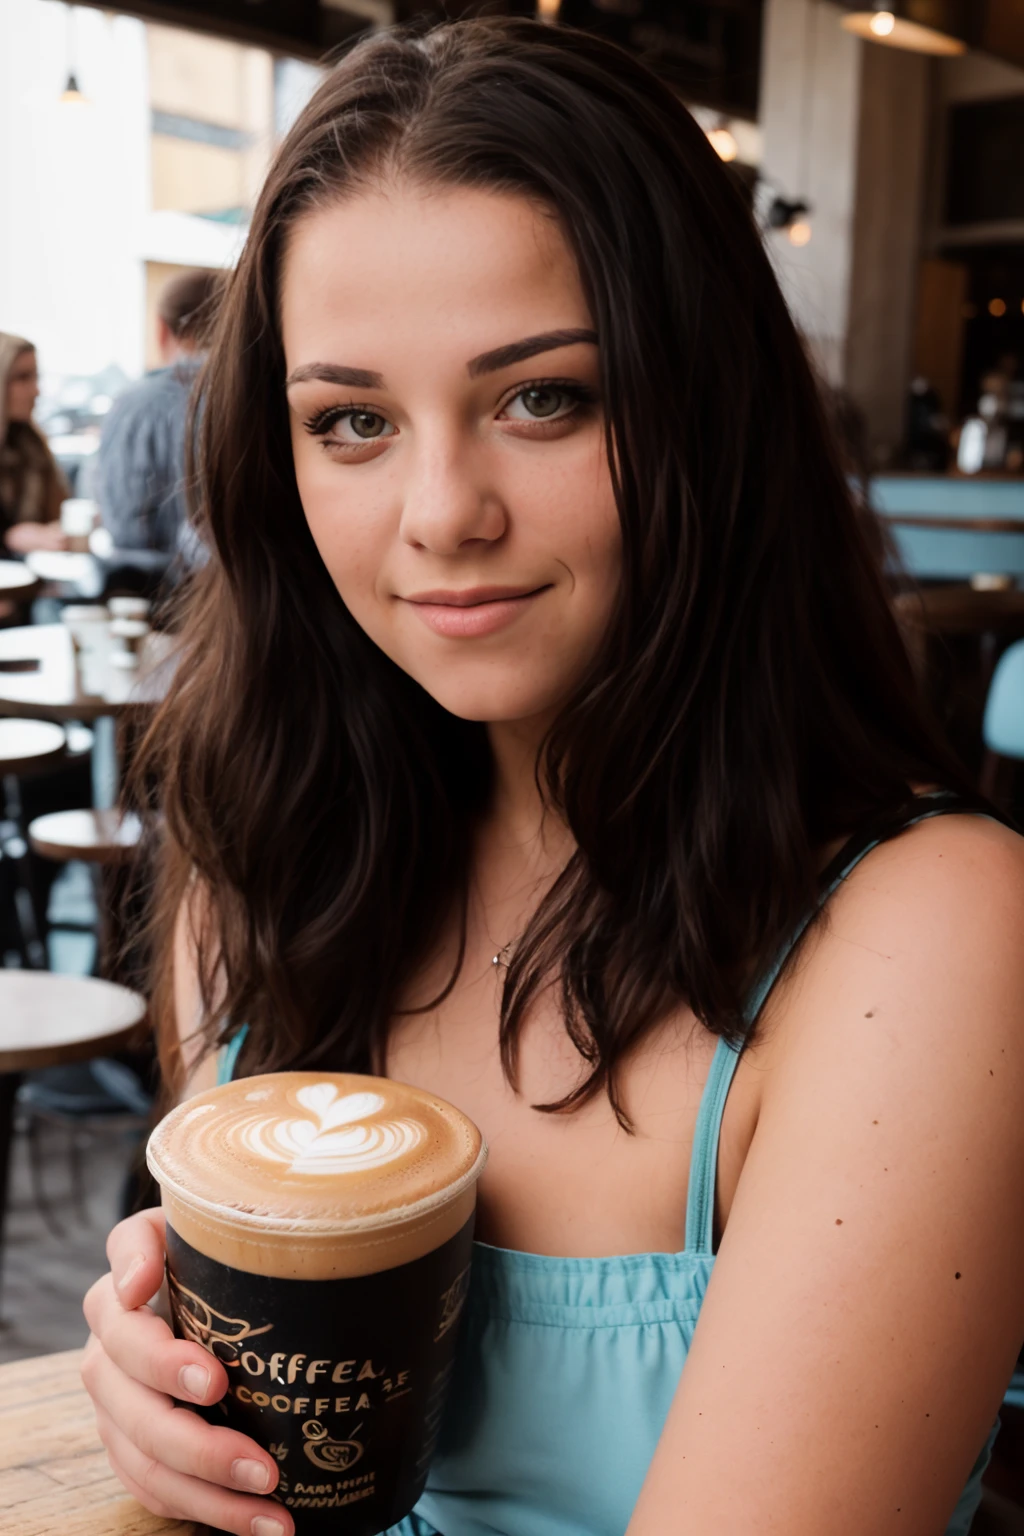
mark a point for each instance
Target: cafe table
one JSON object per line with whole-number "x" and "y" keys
{"x": 18, "y": 584}
{"x": 68, "y": 574}
{"x": 39, "y": 679}
{"x": 55, "y": 1479}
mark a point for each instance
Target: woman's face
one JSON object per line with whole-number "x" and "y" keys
{"x": 449, "y": 440}
{"x": 22, "y": 386}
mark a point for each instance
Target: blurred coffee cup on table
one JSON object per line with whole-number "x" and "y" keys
{"x": 128, "y": 635}
{"x": 87, "y": 625}
{"x": 77, "y": 520}
{"x": 129, "y": 608}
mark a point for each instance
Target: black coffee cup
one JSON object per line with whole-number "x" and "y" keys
{"x": 319, "y": 1235}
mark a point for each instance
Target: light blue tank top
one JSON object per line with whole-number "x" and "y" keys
{"x": 567, "y": 1367}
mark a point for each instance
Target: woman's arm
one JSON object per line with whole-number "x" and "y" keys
{"x": 22, "y": 538}
{"x": 867, "y": 1304}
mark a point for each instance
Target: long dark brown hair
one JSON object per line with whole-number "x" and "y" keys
{"x": 750, "y": 702}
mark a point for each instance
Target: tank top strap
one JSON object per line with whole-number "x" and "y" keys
{"x": 227, "y": 1056}
{"x": 700, "y": 1201}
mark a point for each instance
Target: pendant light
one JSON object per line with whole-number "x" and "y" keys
{"x": 887, "y": 21}
{"x": 72, "y": 95}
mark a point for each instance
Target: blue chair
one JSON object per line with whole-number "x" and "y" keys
{"x": 1003, "y": 726}
{"x": 1004, "y": 708}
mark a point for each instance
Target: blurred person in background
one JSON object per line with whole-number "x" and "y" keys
{"x": 141, "y": 475}
{"x": 32, "y": 485}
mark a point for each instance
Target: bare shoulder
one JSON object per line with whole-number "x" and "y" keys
{"x": 944, "y": 865}
{"x": 927, "y": 930}
{"x": 869, "y": 1276}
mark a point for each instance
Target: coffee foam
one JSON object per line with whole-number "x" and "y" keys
{"x": 316, "y": 1174}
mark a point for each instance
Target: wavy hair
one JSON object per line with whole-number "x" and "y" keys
{"x": 751, "y": 699}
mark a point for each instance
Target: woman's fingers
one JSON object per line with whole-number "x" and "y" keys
{"x": 142, "y": 1346}
{"x": 135, "y": 1251}
{"x": 169, "y": 1458}
{"x": 178, "y": 1438}
{"x": 177, "y": 1495}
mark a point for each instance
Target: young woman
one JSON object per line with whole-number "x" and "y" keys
{"x": 32, "y": 485}
{"x": 541, "y": 690}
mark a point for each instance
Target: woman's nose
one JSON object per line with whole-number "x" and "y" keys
{"x": 449, "y": 502}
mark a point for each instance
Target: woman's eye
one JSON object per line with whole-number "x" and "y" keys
{"x": 366, "y": 424}
{"x": 540, "y": 402}
{"x": 360, "y": 427}
{"x": 349, "y": 428}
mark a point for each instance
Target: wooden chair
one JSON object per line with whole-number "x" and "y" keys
{"x": 51, "y": 1021}
{"x": 107, "y": 842}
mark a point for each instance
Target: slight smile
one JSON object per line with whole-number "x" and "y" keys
{"x": 473, "y": 612}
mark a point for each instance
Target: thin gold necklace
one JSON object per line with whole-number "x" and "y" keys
{"x": 501, "y": 959}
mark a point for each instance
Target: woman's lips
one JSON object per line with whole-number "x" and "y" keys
{"x": 470, "y": 615}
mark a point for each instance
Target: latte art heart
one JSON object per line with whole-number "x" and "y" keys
{"x": 338, "y": 1134}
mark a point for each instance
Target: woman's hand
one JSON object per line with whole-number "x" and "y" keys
{"x": 22, "y": 538}
{"x": 174, "y": 1463}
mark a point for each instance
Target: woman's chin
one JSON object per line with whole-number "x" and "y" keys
{"x": 495, "y": 705}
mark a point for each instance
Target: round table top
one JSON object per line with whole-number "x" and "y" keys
{"x": 39, "y": 678}
{"x": 78, "y": 573}
{"x": 96, "y": 837}
{"x": 48, "y": 1020}
{"x": 16, "y": 580}
{"x": 27, "y": 745}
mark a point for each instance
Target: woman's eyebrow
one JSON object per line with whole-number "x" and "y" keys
{"x": 335, "y": 373}
{"x": 530, "y": 346}
{"x": 487, "y": 362}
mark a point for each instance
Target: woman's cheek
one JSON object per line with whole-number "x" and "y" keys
{"x": 352, "y": 547}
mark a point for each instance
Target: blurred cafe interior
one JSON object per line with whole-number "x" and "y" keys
{"x": 881, "y": 146}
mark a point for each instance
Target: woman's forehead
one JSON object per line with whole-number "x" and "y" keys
{"x": 462, "y": 268}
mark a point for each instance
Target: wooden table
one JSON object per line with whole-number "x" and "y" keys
{"x": 54, "y": 1476}
{"x": 94, "y": 837}
{"x": 67, "y": 572}
{"x": 17, "y": 582}
{"x": 47, "y": 1020}
{"x": 39, "y": 679}
{"x": 26, "y": 746}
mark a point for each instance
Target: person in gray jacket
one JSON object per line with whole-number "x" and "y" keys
{"x": 141, "y": 462}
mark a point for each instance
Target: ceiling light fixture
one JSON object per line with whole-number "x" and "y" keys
{"x": 886, "y": 22}
{"x": 71, "y": 95}
{"x": 723, "y": 142}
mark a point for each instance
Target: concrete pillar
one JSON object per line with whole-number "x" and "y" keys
{"x": 891, "y": 184}
{"x": 810, "y": 101}
{"x": 845, "y": 126}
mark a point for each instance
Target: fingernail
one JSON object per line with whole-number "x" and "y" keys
{"x": 194, "y": 1381}
{"x": 254, "y": 1475}
{"x": 132, "y": 1270}
{"x": 264, "y": 1526}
